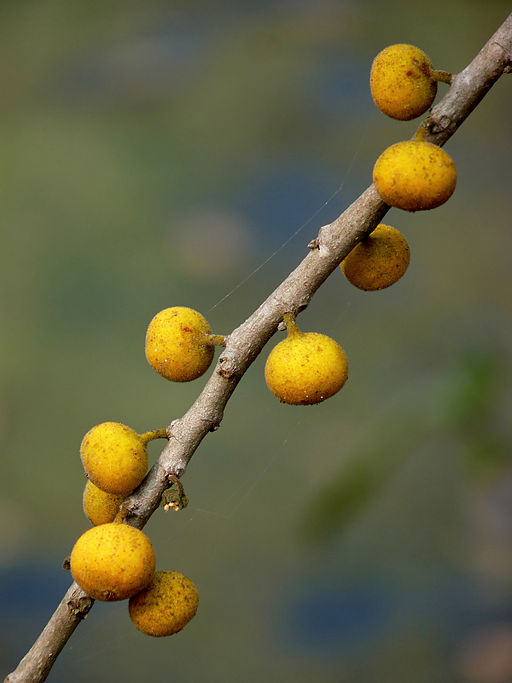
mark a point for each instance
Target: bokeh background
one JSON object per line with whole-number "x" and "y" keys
{"x": 162, "y": 153}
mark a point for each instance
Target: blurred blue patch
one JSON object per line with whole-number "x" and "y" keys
{"x": 144, "y": 64}
{"x": 333, "y": 621}
{"x": 32, "y": 588}
{"x": 328, "y": 619}
{"x": 283, "y": 197}
{"x": 29, "y": 594}
{"x": 340, "y": 87}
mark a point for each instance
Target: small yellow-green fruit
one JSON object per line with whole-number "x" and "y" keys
{"x": 306, "y": 367}
{"x": 114, "y": 457}
{"x": 100, "y": 507}
{"x": 414, "y": 175}
{"x": 401, "y": 81}
{"x": 178, "y": 344}
{"x": 379, "y": 260}
{"x": 165, "y": 606}
{"x": 112, "y": 561}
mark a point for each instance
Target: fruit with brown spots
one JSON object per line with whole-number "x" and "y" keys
{"x": 165, "y": 606}
{"x": 99, "y": 506}
{"x": 306, "y": 367}
{"x": 414, "y": 175}
{"x": 179, "y": 344}
{"x": 114, "y": 457}
{"x": 402, "y": 81}
{"x": 112, "y": 561}
{"x": 378, "y": 260}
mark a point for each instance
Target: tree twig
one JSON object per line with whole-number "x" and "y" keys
{"x": 37, "y": 663}
{"x": 242, "y": 346}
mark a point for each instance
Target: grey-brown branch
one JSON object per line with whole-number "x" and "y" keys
{"x": 333, "y": 243}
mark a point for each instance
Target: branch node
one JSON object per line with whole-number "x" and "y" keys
{"x": 440, "y": 125}
{"x": 508, "y": 54}
{"x": 79, "y": 607}
{"x": 169, "y": 428}
{"x": 128, "y": 508}
{"x": 227, "y": 367}
{"x": 176, "y": 470}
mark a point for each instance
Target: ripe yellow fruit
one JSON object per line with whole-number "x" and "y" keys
{"x": 178, "y": 344}
{"x": 414, "y": 175}
{"x": 165, "y": 606}
{"x": 99, "y": 506}
{"x": 401, "y": 81}
{"x": 112, "y": 561}
{"x": 114, "y": 457}
{"x": 306, "y": 367}
{"x": 378, "y": 261}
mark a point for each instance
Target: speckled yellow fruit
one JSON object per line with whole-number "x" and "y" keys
{"x": 414, "y": 175}
{"x": 379, "y": 260}
{"x": 99, "y": 506}
{"x": 401, "y": 81}
{"x": 306, "y": 367}
{"x": 167, "y": 604}
{"x": 112, "y": 561}
{"x": 114, "y": 457}
{"x": 178, "y": 345}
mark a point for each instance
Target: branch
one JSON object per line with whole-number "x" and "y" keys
{"x": 37, "y": 663}
{"x": 243, "y": 345}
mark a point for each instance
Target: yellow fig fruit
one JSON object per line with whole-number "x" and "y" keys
{"x": 306, "y": 367}
{"x": 179, "y": 344}
{"x": 114, "y": 457}
{"x": 414, "y": 175}
{"x": 99, "y": 506}
{"x": 165, "y": 606}
{"x": 402, "y": 81}
{"x": 112, "y": 561}
{"x": 378, "y": 260}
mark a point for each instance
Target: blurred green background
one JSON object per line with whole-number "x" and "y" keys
{"x": 157, "y": 154}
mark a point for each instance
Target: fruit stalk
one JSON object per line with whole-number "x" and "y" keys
{"x": 291, "y": 326}
{"x": 216, "y": 339}
{"x": 441, "y": 76}
{"x": 154, "y": 434}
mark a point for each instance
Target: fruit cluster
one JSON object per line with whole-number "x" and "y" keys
{"x": 413, "y": 175}
{"x": 116, "y": 561}
{"x": 301, "y": 370}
